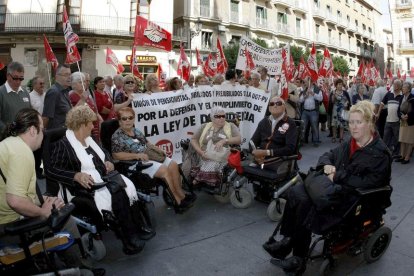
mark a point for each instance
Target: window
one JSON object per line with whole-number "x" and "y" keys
{"x": 205, "y": 8}
{"x": 329, "y": 34}
{"x": 234, "y": 8}
{"x": 364, "y": 28}
{"x": 408, "y": 35}
{"x": 356, "y": 23}
{"x": 3, "y": 9}
{"x": 328, "y": 9}
{"x": 298, "y": 23}
{"x": 339, "y": 14}
{"x": 339, "y": 38}
{"x": 348, "y": 19}
{"x": 206, "y": 40}
{"x": 316, "y": 3}
{"x": 261, "y": 16}
{"x": 347, "y": 2}
{"x": 317, "y": 29}
{"x": 281, "y": 18}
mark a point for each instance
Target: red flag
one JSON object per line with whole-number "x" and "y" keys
{"x": 210, "y": 66}
{"x": 134, "y": 66}
{"x": 50, "y": 56}
{"x": 292, "y": 69}
{"x": 1, "y": 65}
{"x": 412, "y": 72}
{"x": 326, "y": 67}
{"x": 199, "y": 60}
{"x": 162, "y": 76}
{"x": 222, "y": 64}
{"x": 149, "y": 34}
{"x": 113, "y": 60}
{"x": 398, "y": 73}
{"x": 303, "y": 71}
{"x": 184, "y": 68}
{"x": 312, "y": 64}
{"x": 72, "y": 53}
{"x": 284, "y": 91}
{"x": 249, "y": 63}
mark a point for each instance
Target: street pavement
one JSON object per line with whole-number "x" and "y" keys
{"x": 218, "y": 239}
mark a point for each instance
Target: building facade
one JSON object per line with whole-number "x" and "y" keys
{"x": 402, "y": 23}
{"x": 98, "y": 23}
{"x": 348, "y": 28}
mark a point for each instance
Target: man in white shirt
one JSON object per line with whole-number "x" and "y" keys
{"x": 109, "y": 84}
{"x": 377, "y": 97}
{"x": 269, "y": 83}
{"x": 37, "y": 98}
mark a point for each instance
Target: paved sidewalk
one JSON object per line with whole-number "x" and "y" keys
{"x": 217, "y": 239}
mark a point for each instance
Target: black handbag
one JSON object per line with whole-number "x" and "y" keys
{"x": 322, "y": 191}
{"x": 114, "y": 181}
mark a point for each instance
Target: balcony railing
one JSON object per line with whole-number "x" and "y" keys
{"x": 234, "y": 17}
{"x": 261, "y": 23}
{"x": 403, "y": 4}
{"x": 301, "y": 5}
{"x": 318, "y": 12}
{"x": 89, "y": 24}
{"x": 287, "y": 3}
{"x": 179, "y": 33}
{"x": 284, "y": 29}
{"x": 204, "y": 11}
{"x": 406, "y": 44}
{"x": 320, "y": 39}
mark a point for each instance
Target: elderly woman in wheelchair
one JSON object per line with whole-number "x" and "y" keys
{"x": 211, "y": 142}
{"x": 81, "y": 165}
{"x": 128, "y": 143}
{"x": 336, "y": 194}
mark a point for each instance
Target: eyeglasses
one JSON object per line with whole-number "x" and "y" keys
{"x": 127, "y": 118}
{"x": 129, "y": 82}
{"x": 219, "y": 116}
{"x": 41, "y": 83}
{"x": 278, "y": 103}
{"x": 16, "y": 78}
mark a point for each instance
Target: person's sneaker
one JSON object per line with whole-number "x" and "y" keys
{"x": 146, "y": 233}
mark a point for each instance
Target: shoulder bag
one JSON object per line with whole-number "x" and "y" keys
{"x": 114, "y": 181}
{"x": 155, "y": 153}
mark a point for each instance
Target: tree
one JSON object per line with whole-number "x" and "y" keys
{"x": 296, "y": 53}
{"x": 261, "y": 42}
{"x": 231, "y": 53}
{"x": 341, "y": 65}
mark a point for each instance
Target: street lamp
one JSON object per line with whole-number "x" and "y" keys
{"x": 195, "y": 31}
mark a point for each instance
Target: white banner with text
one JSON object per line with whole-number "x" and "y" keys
{"x": 168, "y": 117}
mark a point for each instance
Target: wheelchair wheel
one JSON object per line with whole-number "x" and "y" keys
{"x": 167, "y": 198}
{"x": 224, "y": 197}
{"x": 241, "y": 198}
{"x": 96, "y": 250}
{"x": 275, "y": 209}
{"x": 377, "y": 244}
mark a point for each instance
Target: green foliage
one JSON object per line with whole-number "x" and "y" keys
{"x": 231, "y": 53}
{"x": 261, "y": 42}
{"x": 341, "y": 65}
{"x": 296, "y": 53}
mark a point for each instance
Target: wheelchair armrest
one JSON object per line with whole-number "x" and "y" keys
{"x": 97, "y": 186}
{"x": 25, "y": 225}
{"x": 363, "y": 192}
{"x": 139, "y": 165}
{"x": 291, "y": 157}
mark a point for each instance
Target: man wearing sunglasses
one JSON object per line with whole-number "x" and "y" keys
{"x": 276, "y": 134}
{"x": 13, "y": 97}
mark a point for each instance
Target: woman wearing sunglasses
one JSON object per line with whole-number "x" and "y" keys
{"x": 221, "y": 134}
{"x": 128, "y": 143}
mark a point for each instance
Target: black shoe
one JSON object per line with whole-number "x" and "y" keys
{"x": 396, "y": 157}
{"x": 278, "y": 249}
{"x": 190, "y": 198}
{"x": 134, "y": 246}
{"x": 146, "y": 233}
{"x": 403, "y": 161}
{"x": 98, "y": 271}
{"x": 293, "y": 264}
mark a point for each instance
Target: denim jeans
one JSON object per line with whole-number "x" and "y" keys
{"x": 391, "y": 133}
{"x": 311, "y": 117}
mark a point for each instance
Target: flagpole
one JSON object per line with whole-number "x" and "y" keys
{"x": 48, "y": 74}
{"x": 82, "y": 81}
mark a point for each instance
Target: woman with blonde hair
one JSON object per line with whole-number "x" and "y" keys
{"x": 152, "y": 84}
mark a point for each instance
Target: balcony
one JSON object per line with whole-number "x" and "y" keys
{"x": 351, "y": 27}
{"x": 406, "y": 45}
{"x": 342, "y": 22}
{"x": 284, "y": 3}
{"x": 261, "y": 23}
{"x": 284, "y": 30}
{"x": 179, "y": 33}
{"x": 401, "y": 5}
{"x": 318, "y": 13}
{"x": 82, "y": 24}
{"x": 332, "y": 42}
{"x": 330, "y": 18}
{"x": 352, "y": 49}
{"x": 205, "y": 11}
{"x": 301, "y": 34}
{"x": 234, "y": 17}
{"x": 320, "y": 40}
{"x": 300, "y": 5}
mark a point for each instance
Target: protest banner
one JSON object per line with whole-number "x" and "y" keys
{"x": 166, "y": 118}
{"x": 269, "y": 58}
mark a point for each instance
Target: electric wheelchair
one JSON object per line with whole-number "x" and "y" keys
{"x": 132, "y": 169}
{"x": 39, "y": 239}
{"x": 360, "y": 230}
{"x": 89, "y": 220}
{"x": 269, "y": 185}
